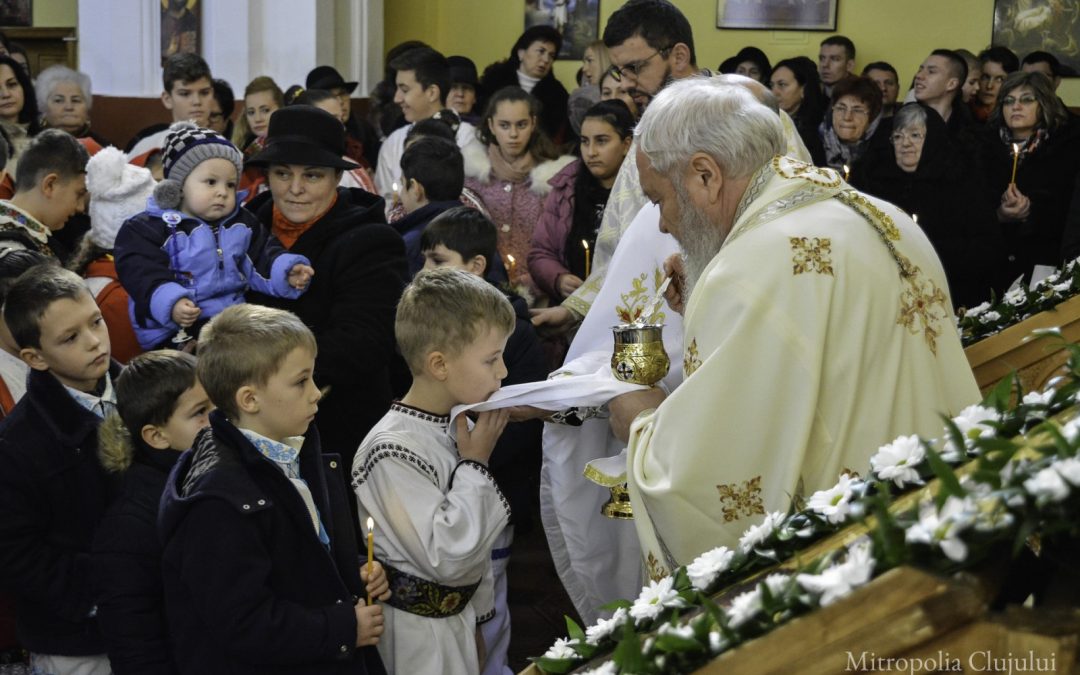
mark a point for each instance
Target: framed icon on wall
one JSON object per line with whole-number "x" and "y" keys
{"x": 777, "y": 14}
{"x": 181, "y": 28}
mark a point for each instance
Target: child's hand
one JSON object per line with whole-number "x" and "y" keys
{"x": 477, "y": 444}
{"x": 184, "y": 312}
{"x": 376, "y": 584}
{"x": 300, "y": 276}
{"x": 369, "y": 624}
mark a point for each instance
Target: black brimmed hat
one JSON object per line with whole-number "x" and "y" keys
{"x": 306, "y": 135}
{"x": 328, "y": 78}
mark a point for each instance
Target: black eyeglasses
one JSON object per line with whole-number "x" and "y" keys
{"x": 633, "y": 69}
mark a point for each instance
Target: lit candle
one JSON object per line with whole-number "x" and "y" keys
{"x": 370, "y": 551}
{"x": 847, "y": 172}
{"x": 1016, "y": 158}
{"x": 396, "y": 188}
{"x": 511, "y": 266}
{"x": 588, "y": 257}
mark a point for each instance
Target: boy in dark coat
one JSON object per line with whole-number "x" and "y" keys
{"x": 161, "y": 408}
{"x": 260, "y": 564}
{"x": 53, "y": 490}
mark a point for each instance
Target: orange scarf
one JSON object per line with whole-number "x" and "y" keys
{"x": 288, "y": 232}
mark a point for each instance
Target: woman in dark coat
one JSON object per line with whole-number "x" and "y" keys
{"x": 531, "y": 59}
{"x": 360, "y": 270}
{"x": 797, "y": 88}
{"x": 926, "y": 173}
{"x": 1031, "y": 125}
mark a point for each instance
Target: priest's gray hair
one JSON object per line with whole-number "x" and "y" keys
{"x": 723, "y": 120}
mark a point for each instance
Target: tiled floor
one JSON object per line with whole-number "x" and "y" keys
{"x": 536, "y": 597}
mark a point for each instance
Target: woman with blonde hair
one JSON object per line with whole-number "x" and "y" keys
{"x": 262, "y": 97}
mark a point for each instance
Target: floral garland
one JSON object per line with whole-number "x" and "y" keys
{"x": 1018, "y": 304}
{"x": 1022, "y": 478}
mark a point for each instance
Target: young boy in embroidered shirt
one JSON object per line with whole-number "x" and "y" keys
{"x": 53, "y": 489}
{"x": 49, "y": 189}
{"x": 436, "y": 507}
{"x": 195, "y": 250}
{"x": 260, "y": 564}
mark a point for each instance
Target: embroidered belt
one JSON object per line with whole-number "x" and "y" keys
{"x": 426, "y": 598}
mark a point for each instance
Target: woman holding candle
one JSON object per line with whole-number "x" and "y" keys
{"x": 1032, "y": 130}
{"x": 566, "y": 234}
{"x": 511, "y": 178}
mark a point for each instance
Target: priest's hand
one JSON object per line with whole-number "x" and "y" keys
{"x": 628, "y": 406}
{"x": 676, "y": 291}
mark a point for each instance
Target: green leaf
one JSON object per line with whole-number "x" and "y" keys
{"x": 574, "y": 630}
{"x": 555, "y": 666}
{"x": 1027, "y": 528}
{"x": 677, "y": 644}
{"x": 1000, "y": 396}
{"x": 617, "y": 604}
{"x": 950, "y": 485}
{"x": 627, "y": 654}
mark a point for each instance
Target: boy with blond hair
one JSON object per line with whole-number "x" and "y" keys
{"x": 261, "y": 568}
{"x": 435, "y": 503}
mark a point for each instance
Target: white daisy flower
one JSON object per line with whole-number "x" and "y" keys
{"x": 1069, "y": 468}
{"x": 1047, "y": 486}
{"x": 709, "y": 565}
{"x": 744, "y": 607}
{"x": 977, "y": 310}
{"x": 605, "y": 627}
{"x": 1038, "y": 397}
{"x": 989, "y": 317}
{"x": 562, "y": 649}
{"x": 654, "y": 598}
{"x": 898, "y": 461}
{"x": 756, "y": 534}
{"x": 606, "y": 668}
{"x": 834, "y": 503}
{"x": 1015, "y": 297}
{"x": 942, "y": 528}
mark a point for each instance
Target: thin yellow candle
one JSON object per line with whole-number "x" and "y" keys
{"x": 588, "y": 257}
{"x": 1016, "y": 158}
{"x": 370, "y": 552}
{"x": 511, "y": 266}
{"x": 847, "y": 172}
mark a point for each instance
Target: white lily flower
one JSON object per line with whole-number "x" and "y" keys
{"x": 709, "y": 565}
{"x": 835, "y": 502}
{"x": 942, "y": 528}
{"x": 654, "y": 598}
{"x": 605, "y": 627}
{"x": 756, "y": 534}
{"x": 1047, "y": 486}
{"x": 562, "y": 649}
{"x": 898, "y": 461}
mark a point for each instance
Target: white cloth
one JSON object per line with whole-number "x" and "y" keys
{"x": 496, "y": 631}
{"x": 597, "y": 557}
{"x": 808, "y": 344}
{"x": 436, "y": 517}
{"x": 151, "y": 142}
{"x": 49, "y": 664}
{"x": 14, "y": 371}
{"x": 388, "y": 169}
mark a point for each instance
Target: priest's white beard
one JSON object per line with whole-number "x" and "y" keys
{"x": 700, "y": 239}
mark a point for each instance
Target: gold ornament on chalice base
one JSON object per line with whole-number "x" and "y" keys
{"x": 639, "y": 358}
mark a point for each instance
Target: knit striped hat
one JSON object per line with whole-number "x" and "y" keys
{"x": 186, "y": 146}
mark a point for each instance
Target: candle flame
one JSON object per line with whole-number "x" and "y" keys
{"x": 585, "y": 243}
{"x": 510, "y": 258}
{"x": 395, "y": 186}
{"x": 846, "y": 170}
{"x": 1016, "y": 148}
{"x": 370, "y": 524}
{"x": 915, "y": 218}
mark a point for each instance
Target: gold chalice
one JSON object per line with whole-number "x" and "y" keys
{"x": 639, "y": 357}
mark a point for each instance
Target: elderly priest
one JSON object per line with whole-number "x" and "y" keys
{"x": 818, "y": 326}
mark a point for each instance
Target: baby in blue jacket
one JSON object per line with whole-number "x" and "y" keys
{"x": 195, "y": 250}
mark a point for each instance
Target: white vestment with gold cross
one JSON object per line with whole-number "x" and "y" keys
{"x": 821, "y": 330}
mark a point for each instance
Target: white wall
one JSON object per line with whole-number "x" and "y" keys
{"x": 119, "y": 42}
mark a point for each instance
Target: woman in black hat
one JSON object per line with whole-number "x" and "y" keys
{"x": 360, "y": 269}
{"x": 530, "y": 67}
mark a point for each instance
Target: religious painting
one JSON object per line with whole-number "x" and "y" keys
{"x": 1025, "y": 26}
{"x": 180, "y": 28}
{"x": 16, "y": 12}
{"x": 578, "y": 21}
{"x": 777, "y": 14}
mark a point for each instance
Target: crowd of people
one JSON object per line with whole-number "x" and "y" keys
{"x": 231, "y": 345}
